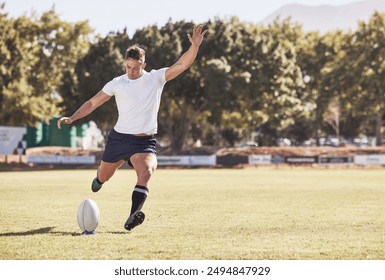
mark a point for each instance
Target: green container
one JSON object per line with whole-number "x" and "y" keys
{"x": 45, "y": 135}
{"x": 38, "y": 135}
{"x": 66, "y": 136}
{"x": 81, "y": 130}
{"x": 49, "y": 135}
{"x": 31, "y": 136}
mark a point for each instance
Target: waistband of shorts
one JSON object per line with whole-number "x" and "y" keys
{"x": 147, "y": 136}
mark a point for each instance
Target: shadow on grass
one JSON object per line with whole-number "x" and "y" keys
{"x": 45, "y": 230}
{"x": 30, "y": 232}
{"x": 117, "y": 232}
{"x": 49, "y": 230}
{"x": 65, "y": 233}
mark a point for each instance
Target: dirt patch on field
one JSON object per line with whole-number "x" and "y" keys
{"x": 62, "y": 151}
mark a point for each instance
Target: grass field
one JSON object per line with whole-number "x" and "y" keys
{"x": 198, "y": 214}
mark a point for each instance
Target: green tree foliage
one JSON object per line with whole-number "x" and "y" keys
{"x": 103, "y": 62}
{"x": 38, "y": 53}
{"x": 230, "y": 81}
{"x": 317, "y": 57}
{"x": 362, "y": 75}
{"x": 229, "y": 78}
{"x": 275, "y": 79}
{"x": 13, "y": 84}
{"x": 183, "y": 98}
{"x": 267, "y": 78}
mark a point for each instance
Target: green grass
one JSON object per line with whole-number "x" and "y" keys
{"x": 198, "y": 214}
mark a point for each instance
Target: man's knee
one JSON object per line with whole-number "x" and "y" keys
{"x": 146, "y": 173}
{"x": 107, "y": 170}
{"x": 104, "y": 175}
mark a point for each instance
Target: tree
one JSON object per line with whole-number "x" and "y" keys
{"x": 233, "y": 111}
{"x": 60, "y": 46}
{"x": 187, "y": 96}
{"x": 268, "y": 57}
{"x": 332, "y": 117}
{"x": 93, "y": 71}
{"x": 318, "y": 57}
{"x": 365, "y": 63}
{"x": 12, "y": 69}
{"x": 183, "y": 98}
{"x": 37, "y": 52}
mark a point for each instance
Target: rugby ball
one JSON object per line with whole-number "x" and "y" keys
{"x": 88, "y": 216}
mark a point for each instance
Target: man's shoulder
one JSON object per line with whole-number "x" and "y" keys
{"x": 153, "y": 71}
{"x": 120, "y": 78}
{"x": 113, "y": 84}
{"x": 158, "y": 73}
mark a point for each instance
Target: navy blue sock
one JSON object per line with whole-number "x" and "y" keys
{"x": 139, "y": 196}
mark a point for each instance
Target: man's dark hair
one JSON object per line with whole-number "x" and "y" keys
{"x": 135, "y": 52}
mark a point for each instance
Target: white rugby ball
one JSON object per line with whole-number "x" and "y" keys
{"x": 88, "y": 215}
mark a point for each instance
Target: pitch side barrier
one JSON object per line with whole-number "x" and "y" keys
{"x": 375, "y": 159}
{"x": 233, "y": 160}
{"x": 370, "y": 159}
{"x": 227, "y": 160}
{"x": 187, "y": 160}
{"x": 54, "y": 159}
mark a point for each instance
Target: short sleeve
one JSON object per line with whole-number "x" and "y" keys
{"x": 109, "y": 88}
{"x": 160, "y": 75}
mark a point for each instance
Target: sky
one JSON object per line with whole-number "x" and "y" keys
{"x": 115, "y": 15}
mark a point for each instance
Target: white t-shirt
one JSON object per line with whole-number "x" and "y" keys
{"x": 138, "y": 101}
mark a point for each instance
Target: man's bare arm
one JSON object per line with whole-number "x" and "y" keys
{"x": 189, "y": 56}
{"x": 87, "y": 108}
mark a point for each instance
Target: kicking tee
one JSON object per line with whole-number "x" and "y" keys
{"x": 138, "y": 101}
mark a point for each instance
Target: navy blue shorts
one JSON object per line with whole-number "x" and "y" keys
{"x": 122, "y": 146}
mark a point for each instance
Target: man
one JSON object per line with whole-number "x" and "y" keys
{"x": 137, "y": 95}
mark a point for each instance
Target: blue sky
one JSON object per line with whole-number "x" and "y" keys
{"x": 113, "y": 15}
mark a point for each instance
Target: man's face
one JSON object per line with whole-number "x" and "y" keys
{"x": 134, "y": 68}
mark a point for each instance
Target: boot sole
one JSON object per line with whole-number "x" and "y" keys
{"x": 134, "y": 220}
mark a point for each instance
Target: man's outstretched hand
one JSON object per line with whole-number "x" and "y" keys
{"x": 197, "y": 36}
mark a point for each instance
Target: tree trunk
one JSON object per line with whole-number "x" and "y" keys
{"x": 379, "y": 123}
{"x": 179, "y": 131}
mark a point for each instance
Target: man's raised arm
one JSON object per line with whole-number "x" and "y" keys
{"x": 189, "y": 56}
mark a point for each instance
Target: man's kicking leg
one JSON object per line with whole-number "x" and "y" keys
{"x": 104, "y": 173}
